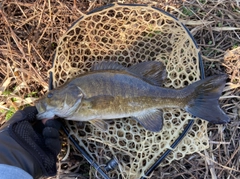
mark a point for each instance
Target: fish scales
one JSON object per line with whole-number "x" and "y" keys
{"x": 130, "y": 89}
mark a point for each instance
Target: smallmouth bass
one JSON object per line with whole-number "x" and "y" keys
{"x": 111, "y": 91}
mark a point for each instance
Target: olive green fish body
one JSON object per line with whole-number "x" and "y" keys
{"x": 121, "y": 95}
{"x": 111, "y": 91}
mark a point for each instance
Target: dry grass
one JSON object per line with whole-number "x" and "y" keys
{"x": 29, "y": 33}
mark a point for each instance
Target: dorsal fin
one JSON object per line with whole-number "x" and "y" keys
{"x": 107, "y": 66}
{"x": 153, "y": 72}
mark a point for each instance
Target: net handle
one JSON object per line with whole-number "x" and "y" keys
{"x": 85, "y": 154}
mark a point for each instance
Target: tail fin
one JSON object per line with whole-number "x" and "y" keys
{"x": 204, "y": 103}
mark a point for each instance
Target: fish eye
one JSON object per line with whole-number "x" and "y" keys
{"x": 50, "y": 95}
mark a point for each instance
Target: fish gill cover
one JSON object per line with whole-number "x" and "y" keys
{"x": 130, "y": 35}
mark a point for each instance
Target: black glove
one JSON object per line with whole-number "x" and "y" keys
{"x": 29, "y": 144}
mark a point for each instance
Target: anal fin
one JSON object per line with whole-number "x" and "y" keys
{"x": 102, "y": 125}
{"x": 151, "y": 120}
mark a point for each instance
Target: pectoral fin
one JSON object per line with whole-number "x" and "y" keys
{"x": 101, "y": 101}
{"x": 151, "y": 120}
{"x": 102, "y": 125}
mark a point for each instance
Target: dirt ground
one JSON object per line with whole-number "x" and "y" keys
{"x": 29, "y": 34}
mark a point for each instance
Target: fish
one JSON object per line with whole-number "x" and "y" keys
{"x": 112, "y": 91}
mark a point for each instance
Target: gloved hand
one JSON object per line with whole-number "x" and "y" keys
{"x": 29, "y": 144}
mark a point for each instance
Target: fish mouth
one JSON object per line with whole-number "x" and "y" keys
{"x": 41, "y": 107}
{"x": 43, "y": 113}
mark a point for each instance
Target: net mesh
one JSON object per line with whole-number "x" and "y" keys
{"x": 130, "y": 35}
